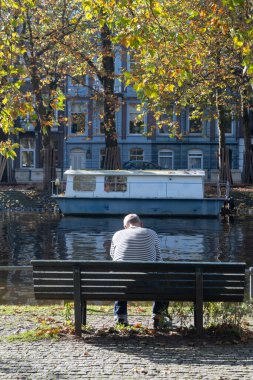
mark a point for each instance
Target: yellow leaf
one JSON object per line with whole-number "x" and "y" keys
{"x": 170, "y": 87}
{"x": 238, "y": 42}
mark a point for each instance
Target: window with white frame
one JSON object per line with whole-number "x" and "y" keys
{"x": 102, "y": 158}
{"x": 194, "y": 122}
{"x": 165, "y": 159}
{"x": 131, "y": 60}
{"x": 228, "y": 124}
{"x": 56, "y": 121}
{"x": 167, "y": 121}
{"x": 99, "y": 118}
{"x": 27, "y": 152}
{"x": 195, "y": 159}
{"x": 78, "y": 118}
{"x": 228, "y": 121}
{"x": 77, "y": 85}
{"x": 77, "y": 159}
{"x": 136, "y": 154}
{"x": 135, "y": 119}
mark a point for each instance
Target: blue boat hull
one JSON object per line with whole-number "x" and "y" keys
{"x": 207, "y": 207}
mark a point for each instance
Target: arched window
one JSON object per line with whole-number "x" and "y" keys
{"x": 77, "y": 159}
{"x": 166, "y": 158}
{"x": 195, "y": 159}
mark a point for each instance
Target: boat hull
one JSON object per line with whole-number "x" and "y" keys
{"x": 207, "y": 207}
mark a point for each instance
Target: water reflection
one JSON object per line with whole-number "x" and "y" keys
{"x": 38, "y": 236}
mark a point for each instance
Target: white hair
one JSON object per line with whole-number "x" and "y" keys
{"x": 131, "y": 219}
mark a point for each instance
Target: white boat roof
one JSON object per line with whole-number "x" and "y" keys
{"x": 195, "y": 173}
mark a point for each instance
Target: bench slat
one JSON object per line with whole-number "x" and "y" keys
{"x": 136, "y": 297}
{"x": 143, "y": 266}
{"x": 166, "y": 291}
{"x": 137, "y": 275}
{"x": 136, "y": 283}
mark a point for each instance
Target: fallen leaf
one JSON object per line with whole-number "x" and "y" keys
{"x": 140, "y": 370}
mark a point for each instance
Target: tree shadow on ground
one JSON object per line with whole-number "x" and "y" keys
{"x": 169, "y": 349}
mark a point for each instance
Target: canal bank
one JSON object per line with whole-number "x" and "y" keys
{"x": 24, "y": 198}
{"x": 27, "y": 198}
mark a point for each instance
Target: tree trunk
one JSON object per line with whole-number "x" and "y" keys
{"x": 10, "y": 172}
{"x": 112, "y": 156}
{"x": 247, "y": 172}
{"x": 49, "y": 171}
{"x": 44, "y": 114}
{"x": 3, "y": 161}
{"x": 223, "y": 152}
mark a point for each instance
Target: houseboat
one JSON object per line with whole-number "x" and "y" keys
{"x": 145, "y": 192}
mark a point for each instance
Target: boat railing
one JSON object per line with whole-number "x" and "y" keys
{"x": 58, "y": 187}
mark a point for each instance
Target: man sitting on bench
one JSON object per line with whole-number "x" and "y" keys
{"x": 136, "y": 243}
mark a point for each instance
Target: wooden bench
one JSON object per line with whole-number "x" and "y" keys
{"x": 82, "y": 281}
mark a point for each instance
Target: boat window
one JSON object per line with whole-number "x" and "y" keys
{"x": 84, "y": 183}
{"x": 115, "y": 183}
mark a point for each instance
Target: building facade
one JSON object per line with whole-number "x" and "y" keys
{"x": 80, "y": 143}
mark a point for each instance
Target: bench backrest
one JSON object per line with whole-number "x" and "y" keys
{"x": 139, "y": 281}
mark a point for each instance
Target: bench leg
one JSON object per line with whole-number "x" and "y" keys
{"x": 198, "y": 305}
{"x": 84, "y": 312}
{"x": 198, "y": 318}
{"x": 77, "y": 302}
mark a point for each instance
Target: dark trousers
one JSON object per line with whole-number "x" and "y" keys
{"x": 120, "y": 309}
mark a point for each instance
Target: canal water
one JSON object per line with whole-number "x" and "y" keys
{"x": 26, "y": 236}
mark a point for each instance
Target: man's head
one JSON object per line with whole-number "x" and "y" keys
{"x": 132, "y": 220}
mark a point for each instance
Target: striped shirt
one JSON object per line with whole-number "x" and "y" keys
{"x": 135, "y": 244}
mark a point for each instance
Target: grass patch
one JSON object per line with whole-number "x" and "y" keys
{"x": 32, "y": 310}
{"x": 47, "y": 332}
{"x": 30, "y": 336}
{"x": 54, "y": 310}
{"x": 30, "y": 323}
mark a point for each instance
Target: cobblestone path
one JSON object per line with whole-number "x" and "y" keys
{"x": 120, "y": 357}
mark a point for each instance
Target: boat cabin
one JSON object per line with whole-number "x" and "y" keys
{"x": 144, "y": 184}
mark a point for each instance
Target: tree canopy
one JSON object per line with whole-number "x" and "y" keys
{"x": 185, "y": 53}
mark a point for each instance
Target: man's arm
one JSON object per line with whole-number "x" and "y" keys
{"x": 112, "y": 249}
{"x": 158, "y": 248}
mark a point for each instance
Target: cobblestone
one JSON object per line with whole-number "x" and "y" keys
{"x": 118, "y": 357}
